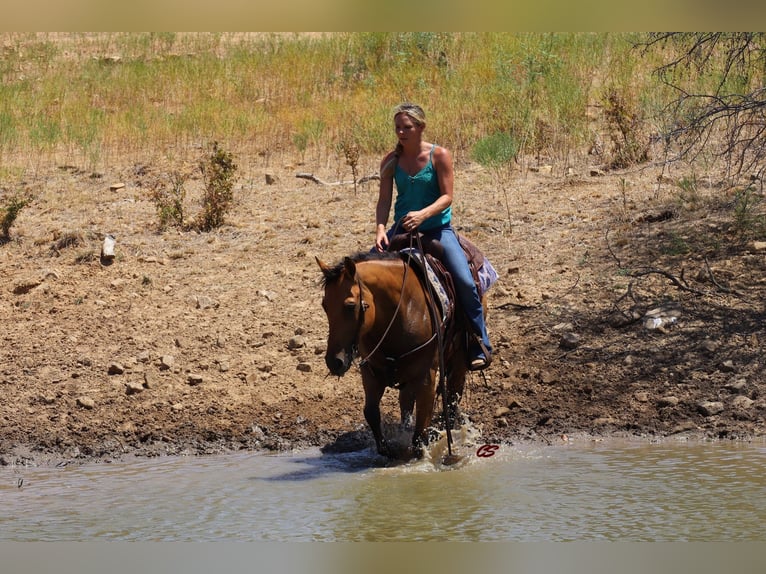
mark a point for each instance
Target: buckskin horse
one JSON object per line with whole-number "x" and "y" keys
{"x": 379, "y": 310}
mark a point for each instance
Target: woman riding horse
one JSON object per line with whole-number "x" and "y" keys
{"x": 424, "y": 183}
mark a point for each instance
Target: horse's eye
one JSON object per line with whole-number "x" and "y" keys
{"x": 349, "y": 305}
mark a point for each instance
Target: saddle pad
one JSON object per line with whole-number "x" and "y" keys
{"x": 438, "y": 288}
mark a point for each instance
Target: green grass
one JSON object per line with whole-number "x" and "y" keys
{"x": 85, "y": 94}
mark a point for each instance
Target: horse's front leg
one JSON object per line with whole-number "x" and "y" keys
{"x": 373, "y": 392}
{"x": 424, "y": 408}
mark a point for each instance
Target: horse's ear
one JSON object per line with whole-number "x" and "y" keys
{"x": 322, "y": 265}
{"x": 350, "y": 266}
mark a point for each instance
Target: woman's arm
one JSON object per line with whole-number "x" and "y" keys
{"x": 383, "y": 208}
{"x": 446, "y": 178}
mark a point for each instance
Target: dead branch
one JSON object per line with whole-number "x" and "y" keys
{"x": 315, "y": 179}
{"x": 680, "y": 283}
{"x": 717, "y": 284}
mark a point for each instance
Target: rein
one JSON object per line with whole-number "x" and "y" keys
{"x": 362, "y": 304}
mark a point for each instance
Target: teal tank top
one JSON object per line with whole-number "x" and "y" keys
{"x": 414, "y": 192}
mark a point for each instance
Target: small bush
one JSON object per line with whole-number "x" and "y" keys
{"x": 631, "y": 145}
{"x": 10, "y": 211}
{"x": 169, "y": 202}
{"x": 218, "y": 197}
{"x": 496, "y": 150}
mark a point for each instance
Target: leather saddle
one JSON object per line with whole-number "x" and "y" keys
{"x": 435, "y": 249}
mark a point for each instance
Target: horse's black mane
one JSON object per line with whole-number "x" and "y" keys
{"x": 334, "y": 273}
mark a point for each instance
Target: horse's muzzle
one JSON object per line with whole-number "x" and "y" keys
{"x": 339, "y": 362}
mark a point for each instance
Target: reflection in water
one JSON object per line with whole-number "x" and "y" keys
{"x": 583, "y": 491}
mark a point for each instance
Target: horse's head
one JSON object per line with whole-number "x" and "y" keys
{"x": 345, "y": 306}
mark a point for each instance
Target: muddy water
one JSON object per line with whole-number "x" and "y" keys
{"x": 635, "y": 491}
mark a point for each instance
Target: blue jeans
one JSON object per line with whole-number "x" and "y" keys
{"x": 455, "y": 261}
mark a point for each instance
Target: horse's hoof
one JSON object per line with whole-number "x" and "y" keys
{"x": 451, "y": 459}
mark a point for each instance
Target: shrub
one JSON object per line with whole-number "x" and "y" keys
{"x": 218, "y": 197}
{"x": 169, "y": 202}
{"x": 10, "y": 211}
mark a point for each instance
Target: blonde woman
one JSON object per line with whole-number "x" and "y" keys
{"x": 424, "y": 179}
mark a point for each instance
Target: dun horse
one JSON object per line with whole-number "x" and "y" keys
{"x": 378, "y": 310}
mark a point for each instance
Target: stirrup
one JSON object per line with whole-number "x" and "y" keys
{"x": 479, "y": 363}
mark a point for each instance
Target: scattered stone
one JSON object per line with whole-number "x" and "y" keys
{"x": 304, "y": 367}
{"x": 270, "y": 295}
{"x": 271, "y": 179}
{"x": 149, "y": 381}
{"x": 683, "y": 427}
{"x": 642, "y": 396}
{"x": 737, "y": 386}
{"x": 602, "y": 421}
{"x": 115, "y": 369}
{"x": 86, "y": 402}
{"x": 133, "y": 388}
{"x": 547, "y": 378}
{"x": 759, "y": 245}
{"x": 297, "y": 342}
{"x": 669, "y": 401}
{"x": 502, "y": 411}
{"x": 595, "y": 172}
{"x": 25, "y": 287}
{"x": 727, "y": 366}
{"x": 742, "y": 402}
{"x": 194, "y": 379}
{"x": 661, "y": 317}
{"x": 144, "y": 357}
{"x": 205, "y": 302}
{"x": 167, "y": 362}
{"x": 116, "y": 186}
{"x": 709, "y": 346}
{"x": 569, "y": 341}
{"x": 107, "y": 248}
{"x": 710, "y": 408}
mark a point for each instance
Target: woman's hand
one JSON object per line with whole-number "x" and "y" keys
{"x": 412, "y": 220}
{"x": 381, "y": 239}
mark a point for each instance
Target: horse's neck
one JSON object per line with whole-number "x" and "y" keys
{"x": 392, "y": 292}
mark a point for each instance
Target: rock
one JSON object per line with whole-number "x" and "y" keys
{"x": 304, "y": 367}
{"x": 133, "y": 388}
{"x": 710, "y": 408}
{"x": 669, "y": 401}
{"x": 742, "y": 402}
{"x": 661, "y": 317}
{"x": 547, "y": 378}
{"x": 205, "y": 302}
{"x": 271, "y": 179}
{"x": 569, "y": 341}
{"x": 727, "y": 366}
{"x": 194, "y": 379}
{"x": 86, "y": 402}
{"x": 107, "y": 248}
{"x": 167, "y": 362}
{"x": 117, "y": 186}
{"x": 709, "y": 346}
{"x": 502, "y": 411}
{"x": 269, "y": 295}
{"x": 297, "y": 342}
{"x": 737, "y": 386}
{"x": 642, "y": 396}
{"x": 595, "y": 172}
{"x": 759, "y": 245}
{"x": 115, "y": 369}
